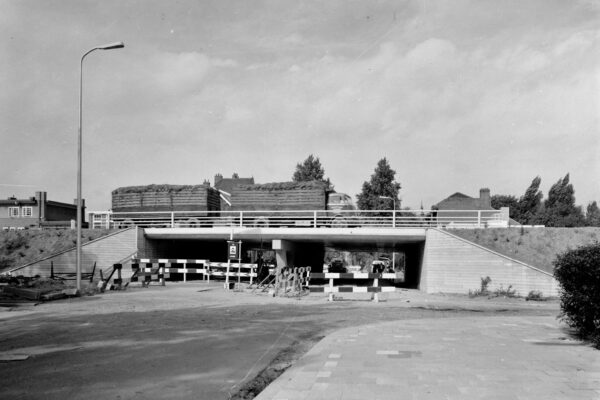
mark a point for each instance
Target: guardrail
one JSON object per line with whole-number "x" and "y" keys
{"x": 162, "y": 268}
{"x": 303, "y": 219}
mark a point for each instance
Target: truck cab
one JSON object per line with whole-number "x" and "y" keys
{"x": 339, "y": 201}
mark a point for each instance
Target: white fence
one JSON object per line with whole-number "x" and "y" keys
{"x": 303, "y": 219}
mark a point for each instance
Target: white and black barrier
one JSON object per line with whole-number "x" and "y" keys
{"x": 375, "y": 289}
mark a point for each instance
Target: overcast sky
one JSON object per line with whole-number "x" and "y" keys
{"x": 457, "y": 95}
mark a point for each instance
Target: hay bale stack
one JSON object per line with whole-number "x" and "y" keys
{"x": 165, "y": 198}
{"x": 280, "y": 196}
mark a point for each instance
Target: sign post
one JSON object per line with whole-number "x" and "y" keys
{"x": 233, "y": 253}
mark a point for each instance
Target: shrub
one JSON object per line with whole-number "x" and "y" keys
{"x": 578, "y": 272}
{"x": 508, "y": 292}
{"x": 483, "y": 291}
{"x": 535, "y": 295}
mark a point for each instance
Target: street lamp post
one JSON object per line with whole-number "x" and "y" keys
{"x": 393, "y": 225}
{"x": 389, "y": 198}
{"x": 109, "y": 46}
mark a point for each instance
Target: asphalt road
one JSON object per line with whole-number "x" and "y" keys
{"x": 177, "y": 343}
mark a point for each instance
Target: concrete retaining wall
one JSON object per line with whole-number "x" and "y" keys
{"x": 104, "y": 251}
{"x": 455, "y": 265}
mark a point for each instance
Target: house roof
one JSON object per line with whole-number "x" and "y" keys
{"x": 458, "y": 195}
{"x": 227, "y": 184}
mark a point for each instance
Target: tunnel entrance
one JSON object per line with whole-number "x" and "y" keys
{"x": 404, "y": 252}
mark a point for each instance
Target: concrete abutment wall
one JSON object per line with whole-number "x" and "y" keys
{"x": 455, "y": 265}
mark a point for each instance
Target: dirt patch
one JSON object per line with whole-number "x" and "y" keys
{"x": 282, "y": 361}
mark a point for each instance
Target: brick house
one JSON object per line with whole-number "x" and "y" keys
{"x": 459, "y": 201}
{"x": 227, "y": 184}
{"x": 478, "y": 211}
{"x": 36, "y": 212}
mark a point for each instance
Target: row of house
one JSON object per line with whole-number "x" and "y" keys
{"x": 37, "y": 212}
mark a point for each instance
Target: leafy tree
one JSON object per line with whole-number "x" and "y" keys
{"x": 578, "y": 272}
{"x": 503, "y": 200}
{"x": 529, "y": 204}
{"x": 310, "y": 170}
{"x": 382, "y": 183}
{"x": 592, "y": 214}
{"x": 559, "y": 208}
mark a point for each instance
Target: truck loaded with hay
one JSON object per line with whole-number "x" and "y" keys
{"x": 189, "y": 203}
{"x": 270, "y": 204}
{"x": 276, "y": 203}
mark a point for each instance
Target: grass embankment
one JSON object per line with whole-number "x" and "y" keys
{"x": 21, "y": 247}
{"x": 535, "y": 246}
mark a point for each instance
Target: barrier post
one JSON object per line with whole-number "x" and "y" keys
{"x": 207, "y": 268}
{"x": 294, "y": 279}
{"x": 184, "y": 272}
{"x": 330, "y": 289}
{"x": 376, "y": 295}
{"x": 161, "y": 277}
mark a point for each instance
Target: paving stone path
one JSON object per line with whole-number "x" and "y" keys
{"x": 500, "y": 357}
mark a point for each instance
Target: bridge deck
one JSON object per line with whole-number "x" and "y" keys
{"x": 352, "y": 235}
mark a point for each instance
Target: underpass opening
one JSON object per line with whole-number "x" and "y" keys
{"x": 297, "y": 247}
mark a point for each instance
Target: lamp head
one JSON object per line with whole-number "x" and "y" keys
{"x": 109, "y": 46}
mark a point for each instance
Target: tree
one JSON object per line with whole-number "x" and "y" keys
{"x": 503, "y": 200}
{"x": 382, "y": 183}
{"x": 310, "y": 170}
{"x": 592, "y": 214}
{"x": 529, "y": 204}
{"x": 559, "y": 208}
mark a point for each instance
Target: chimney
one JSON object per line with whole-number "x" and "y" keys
{"x": 485, "y": 198}
{"x": 218, "y": 178}
{"x": 41, "y": 203}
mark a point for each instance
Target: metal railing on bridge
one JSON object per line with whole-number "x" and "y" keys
{"x": 303, "y": 219}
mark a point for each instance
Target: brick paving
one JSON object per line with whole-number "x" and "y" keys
{"x": 499, "y": 357}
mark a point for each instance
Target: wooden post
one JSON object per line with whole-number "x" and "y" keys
{"x": 376, "y": 295}
{"x": 227, "y": 274}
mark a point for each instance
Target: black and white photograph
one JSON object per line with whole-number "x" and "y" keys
{"x": 300, "y": 200}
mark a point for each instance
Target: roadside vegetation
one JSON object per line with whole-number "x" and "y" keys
{"x": 578, "y": 272}
{"x": 534, "y": 246}
{"x": 21, "y": 247}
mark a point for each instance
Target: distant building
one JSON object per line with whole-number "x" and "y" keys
{"x": 227, "y": 184}
{"x": 478, "y": 212}
{"x": 36, "y": 212}
{"x": 459, "y": 201}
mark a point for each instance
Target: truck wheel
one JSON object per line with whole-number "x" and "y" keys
{"x": 261, "y": 222}
{"x": 192, "y": 223}
{"x": 339, "y": 222}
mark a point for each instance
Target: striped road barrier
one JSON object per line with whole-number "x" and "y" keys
{"x": 175, "y": 266}
{"x": 147, "y": 275}
{"x": 167, "y": 266}
{"x": 375, "y": 289}
{"x": 238, "y": 270}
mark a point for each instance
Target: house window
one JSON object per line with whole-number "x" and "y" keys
{"x": 13, "y": 212}
{"x": 26, "y": 211}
